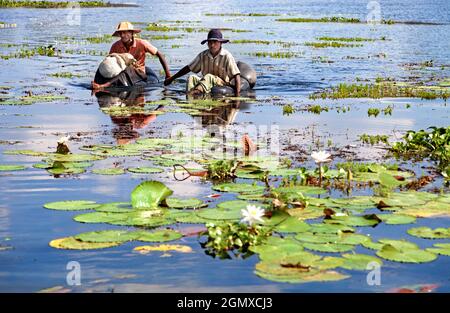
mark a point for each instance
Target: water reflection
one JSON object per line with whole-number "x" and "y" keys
{"x": 127, "y": 123}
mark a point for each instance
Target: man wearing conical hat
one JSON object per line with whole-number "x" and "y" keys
{"x": 136, "y": 47}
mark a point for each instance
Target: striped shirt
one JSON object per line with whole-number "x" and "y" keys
{"x": 222, "y": 65}
{"x": 137, "y": 49}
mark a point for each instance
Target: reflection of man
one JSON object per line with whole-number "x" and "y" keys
{"x": 138, "y": 49}
{"x": 127, "y": 125}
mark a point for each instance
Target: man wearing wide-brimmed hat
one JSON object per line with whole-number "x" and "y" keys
{"x": 216, "y": 64}
{"x": 137, "y": 48}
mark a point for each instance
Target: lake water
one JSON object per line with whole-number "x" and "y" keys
{"x": 25, "y": 226}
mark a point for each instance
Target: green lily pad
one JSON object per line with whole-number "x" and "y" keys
{"x": 115, "y": 153}
{"x": 238, "y": 205}
{"x": 440, "y": 248}
{"x": 285, "y": 172}
{"x": 7, "y": 167}
{"x": 328, "y": 247}
{"x": 331, "y": 228}
{"x": 149, "y": 194}
{"x": 107, "y": 236}
{"x": 99, "y": 217}
{"x": 292, "y": 225}
{"x": 429, "y": 209}
{"x": 70, "y": 243}
{"x": 369, "y": 244}
{"x": 405, "y": 255}
{"x": 191, "y": 218}
{"x": 72, "y": 205}
{"x": 341, "y": 238}
{"x": 109, "y": 171}
{"x": 192, "y": 203}
{"x": 277, "y": 272}
{"x": 26, "y": 152}
{"x": 145, "y": 170}
{"x": 428, "y": 233}
{"x": 396, "y": 219}
{"x": 238, "y": 188}
{"x": 115, "y": 207}
{"x": 72, "y": 158}
{"x": 388, "y": 180}
{"x": 276, "y": 248}
{"x": 305, "y": 190}
{"x": 358, "y": 261}
{"x": 365, "y": 220}
{"x": 220, "y": 214}
{"x": 66, "y": 170}
{"x": 310, "y": 212}
{"x": 252, "y": 197}
{"x": 159, "y": 236}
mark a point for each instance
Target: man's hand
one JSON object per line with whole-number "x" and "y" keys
{"x": 168, "y": 80}
{"x": 96, "y": 86}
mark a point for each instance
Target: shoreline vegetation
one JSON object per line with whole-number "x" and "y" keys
{"x": 61, "y": 4}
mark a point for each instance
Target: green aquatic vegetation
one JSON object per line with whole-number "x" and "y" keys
{"x": 70, "y": 243}
{"x": 192, "y": 203}
{"x": 387, "y": 110}
{"x": 225, "y": 238}
{"x": 145, "y": 170}
{"x": 347, "y": 39}
{"x": 64, "y": 75}
{"x": 317, "y": 109}
{"x": 381, "y": 90}
{"x": 164, "y": 37}
{"x": 49, "y": 51}
{"x": 440, "y": 248}
{"x": 275, "y": 55}
{"x": 149, "y": 194}
{"x": 222, "y": 169}
{"x": 404, "y": 253}
{"x": 251, "y": 41}
{"x": 333, "y": 19}
{"x": 238, "y": 188}
{"x": 72, "y": 205}
{"x": 288, "y": 109}
{"x": 433, "y": 144}
{"x": 32, "y": 99}
{"x": 9, "y": 167}
{"x": 358, "y": 261}
{"x": 59, "y": 4}
{"x": 109, "y": 171}
{"x": 100, "y": 39}
{"x": 429, "y": 233}
{"x": 241, "y": 14}
{"x": 331, "y": 44}
{"x": 366, "y": 167}
{"x": 374, "y": 139}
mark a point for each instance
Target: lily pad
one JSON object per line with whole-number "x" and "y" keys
{"x": 70, "y": 243}
{"x": 145, "y": 170}
{"x": 163, "y": 248}
{"x": 72, "y": 205}
{"x": 192, "y": 203}
{"x": 428, "y": 233}
{"x": 72, "y": 158}
{"x": 405, "y": 255}
{"x": 328, "y": 247}
{"x": 149, "y": 194}
{"x": 238, "y": 188}
{"x": 115, "y": 207}
{"x": 99, "y": 217}
{"x": 109, "y": 171}
{"x": 365, "y": 220}
{"x": 7, "y": 167}
{"x": 430, "y": 209}
{"x": 305, "y": 190}
{"x": 159, "y": 236}
{"x": 397, "y": 219}
{"x": 220, "y": 214}
{"x": 107, "y": 236}
{"x": 292, "y": 225}
{"x": 440, "y": 248}
{"x": 358, "y": 261}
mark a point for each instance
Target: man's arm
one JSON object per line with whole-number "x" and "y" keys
{"x": 179, "y": 74}
{"x": 237, "y": 87}
{"x": 162, "y": 60}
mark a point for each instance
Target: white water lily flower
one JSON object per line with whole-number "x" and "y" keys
{"x": 252, "y": 214}
{"x": 64, "y": 139}
{"x": 321, "y": 156}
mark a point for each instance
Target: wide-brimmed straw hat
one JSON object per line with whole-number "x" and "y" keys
{"x": 125, "y": 26}
{"x": 215, "y": 35}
